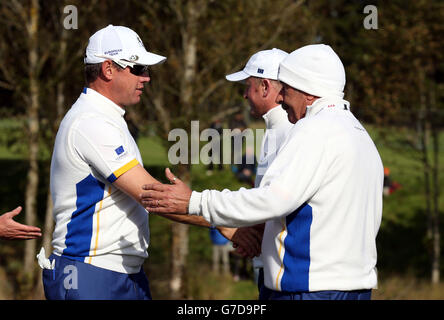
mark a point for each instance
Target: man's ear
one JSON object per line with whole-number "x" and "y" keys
{"x": 108, "y": 70}
{"x": 310, "y": 99}
{"x": 265, "y": 83}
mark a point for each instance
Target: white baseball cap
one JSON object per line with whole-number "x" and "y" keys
{"x": 263, "y": 64}
{"x": 315, "y": 69}
{"x": 121, "y": 45}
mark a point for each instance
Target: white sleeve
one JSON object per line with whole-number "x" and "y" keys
{"x": 104, "y": 146}
{"x": 291, "y": 180}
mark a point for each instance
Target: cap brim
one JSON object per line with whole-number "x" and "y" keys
{"x": 144, "y": 57}
{"x": 149, "y": 59}
{"x": 237, "y": 76}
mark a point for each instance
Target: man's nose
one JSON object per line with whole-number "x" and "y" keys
{"x": 145, "y": 78}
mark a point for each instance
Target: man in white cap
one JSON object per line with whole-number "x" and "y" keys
{"x": 321, "y": 196}
{"x": 101, "y": 232}
{"x": 262, "y": 88}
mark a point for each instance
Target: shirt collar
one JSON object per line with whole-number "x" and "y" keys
{"x": 274, "y": 116}
{"x": 321, "y": 103}
{"x": 103, "y": 103}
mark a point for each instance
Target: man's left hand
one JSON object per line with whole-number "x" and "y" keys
{"x": 166, "y": 198}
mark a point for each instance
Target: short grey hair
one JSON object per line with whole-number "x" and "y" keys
{"x": 275, "y": 83}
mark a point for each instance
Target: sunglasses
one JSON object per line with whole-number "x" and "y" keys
{"x": 139, "y": 70}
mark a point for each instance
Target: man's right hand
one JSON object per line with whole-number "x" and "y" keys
{"x": 166, "y": 198}
{"x": 12, "y": 230}
{"x": 246, "y": 240}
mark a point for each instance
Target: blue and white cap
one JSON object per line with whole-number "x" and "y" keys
{"x": 121, "y": 45}
{"x": 263, "y": 64}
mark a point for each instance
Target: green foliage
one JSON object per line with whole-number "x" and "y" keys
{"x": 403, "y": 246}
{"x": 12, "y": 139}
{"x": 399, "y": 152}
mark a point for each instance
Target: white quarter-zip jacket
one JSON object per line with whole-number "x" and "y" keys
{"x": 322, "y": 198}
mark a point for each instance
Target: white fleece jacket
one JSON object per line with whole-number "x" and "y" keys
{"x": 322, "y": 198}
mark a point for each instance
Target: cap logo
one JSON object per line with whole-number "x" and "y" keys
{"x": 259, "y": 70}
{"x": 113, "y": 52}
{"x": 134, "y": 57}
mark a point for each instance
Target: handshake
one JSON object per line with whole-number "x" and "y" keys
{"x": 172, "y": 201}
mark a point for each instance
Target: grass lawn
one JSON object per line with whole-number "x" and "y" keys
{"x": 152, "y": 151}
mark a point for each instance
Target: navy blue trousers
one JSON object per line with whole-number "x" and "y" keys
{"x": 268, "y": 294}
{"x": 75, "y": 280}
{"x": 264, "y": 292}
{"x": 321, "y": 295}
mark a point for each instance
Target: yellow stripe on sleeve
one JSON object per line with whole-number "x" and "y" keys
{"x": 279, "y": 254}
{"x": 125, "y": 168}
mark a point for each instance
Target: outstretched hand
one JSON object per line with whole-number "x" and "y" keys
{"x": 11, "y": 230}
{"x": 166, "y": 198}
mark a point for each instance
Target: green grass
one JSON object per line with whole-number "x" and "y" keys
{"x": 204, "y": 284}
{"x": 152, "y": 151}
{"x": 402, "y": 243}
{"x": 407, "y": 169}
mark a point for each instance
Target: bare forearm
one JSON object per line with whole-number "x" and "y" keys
{"x": 192, "y": 220}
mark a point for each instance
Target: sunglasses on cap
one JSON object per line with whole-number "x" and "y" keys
{"x": 139, "y": 70}
{"x": 135, "y": 69}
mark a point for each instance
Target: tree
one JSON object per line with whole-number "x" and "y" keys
{"x": 24, "y": 18}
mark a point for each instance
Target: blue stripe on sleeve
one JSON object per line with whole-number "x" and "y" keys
{"x": 217, "y": 238}
{"x": 90, "y": 191}
{"x": 111, "y": 178}
{"x": 297, "y": 250}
